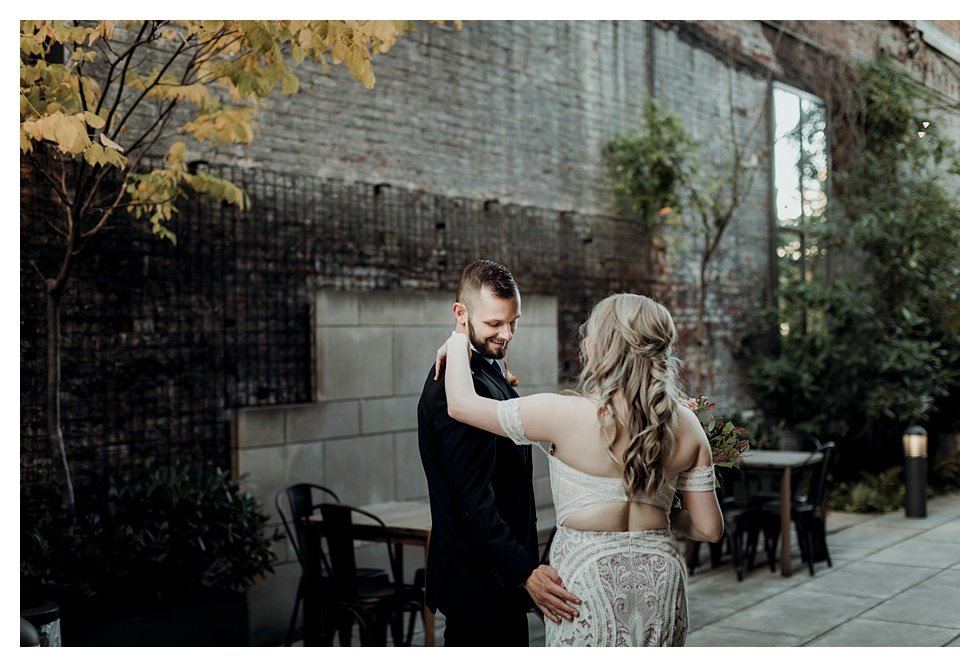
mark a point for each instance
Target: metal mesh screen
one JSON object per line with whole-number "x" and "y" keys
{"x": 161, "y": 341}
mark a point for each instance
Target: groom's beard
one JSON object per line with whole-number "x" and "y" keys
{"x": 484, "y": 348}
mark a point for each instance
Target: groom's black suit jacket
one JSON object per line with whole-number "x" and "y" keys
{"x": 484, "y": 542}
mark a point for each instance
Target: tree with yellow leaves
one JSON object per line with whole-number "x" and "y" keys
{"x": 98, "y": 99}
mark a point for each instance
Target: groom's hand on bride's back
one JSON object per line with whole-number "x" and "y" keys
{"x": 550, "y": 595}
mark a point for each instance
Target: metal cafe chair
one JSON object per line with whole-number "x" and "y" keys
{"x": 807, "y": 512}
{"x": 765, "y": 486}
{"x": 740, "y": 521}
{"x": 374, "y": 604}
{"x": 298, "y": 499}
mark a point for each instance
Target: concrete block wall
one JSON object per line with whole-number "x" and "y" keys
{"x": 372, "y": 353}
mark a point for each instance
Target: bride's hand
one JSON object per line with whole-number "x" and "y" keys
{"x": 443, "y": 352}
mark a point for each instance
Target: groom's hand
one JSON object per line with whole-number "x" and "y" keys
{"x": 550, "y": 595}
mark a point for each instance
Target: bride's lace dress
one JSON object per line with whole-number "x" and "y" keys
{"x": 633, "y": 584}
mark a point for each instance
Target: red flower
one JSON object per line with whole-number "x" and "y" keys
{"x": 511, "y": 378}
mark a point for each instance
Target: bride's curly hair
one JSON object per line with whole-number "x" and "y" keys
{"x": 628, "y": 349}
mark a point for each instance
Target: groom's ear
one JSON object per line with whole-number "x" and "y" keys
{"x": 459, "y": 312}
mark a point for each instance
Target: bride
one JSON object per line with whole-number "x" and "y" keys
{"x": 621, "y": 445}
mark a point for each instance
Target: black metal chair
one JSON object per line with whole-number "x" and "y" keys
{"x": 764, "y": 486}
{"x": 374, "y": 604}
{"x": 739, "y": 521}
{"x": 299, "y": 499}
{"x": 808, "y": 511}
{"x": 790, "y": 441}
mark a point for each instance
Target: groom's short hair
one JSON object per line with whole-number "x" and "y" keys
{"x": 485, "y": 273}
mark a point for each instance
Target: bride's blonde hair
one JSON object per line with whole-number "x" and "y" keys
{"x": 628, "y": 350}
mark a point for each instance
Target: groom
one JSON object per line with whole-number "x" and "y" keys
{"x": 482, "y": 557}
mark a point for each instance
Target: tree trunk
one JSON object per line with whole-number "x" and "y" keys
{"x": 700, "y": 376}
{"x": 55, "y": 438}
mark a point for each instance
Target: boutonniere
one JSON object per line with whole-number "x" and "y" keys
{"x": 511, "y": 378}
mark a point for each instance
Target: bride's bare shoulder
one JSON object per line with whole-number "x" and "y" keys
{"x": 689, "y": 437}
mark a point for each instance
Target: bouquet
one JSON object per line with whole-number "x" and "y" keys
{"x": 728, "y": 442}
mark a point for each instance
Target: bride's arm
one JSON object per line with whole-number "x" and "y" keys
{"x": 464, "y": 403}
{"x": 701, "y": 519}
{"x": 540, "y": 413}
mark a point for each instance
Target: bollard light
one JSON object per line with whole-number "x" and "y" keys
{"x": 915, "y": 443}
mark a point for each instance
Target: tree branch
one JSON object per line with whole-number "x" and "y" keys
{"x": 107, "y": 212}
{"x": 43, "y": 279}
{"x": 122, "y": 76}
{"x": 62, "y": 194}
{"x": 146, "y": 90}
{"x": 112, "y": 67}
{"x": 160, "y": 120}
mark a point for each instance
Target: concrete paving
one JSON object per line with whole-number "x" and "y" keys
{"x": 895, "y": 581}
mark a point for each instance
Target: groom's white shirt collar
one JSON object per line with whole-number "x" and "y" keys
{"x": 500, "y": 366}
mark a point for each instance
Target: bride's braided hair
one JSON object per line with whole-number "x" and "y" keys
{"x": 628, "y": 349}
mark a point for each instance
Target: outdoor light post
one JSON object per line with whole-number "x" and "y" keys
{"x": 916, "y": 463}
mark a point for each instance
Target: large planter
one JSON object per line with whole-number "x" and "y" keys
{"x": 220, "y": 619}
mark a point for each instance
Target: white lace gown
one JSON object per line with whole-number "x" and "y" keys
{"x": 633, "y": 584}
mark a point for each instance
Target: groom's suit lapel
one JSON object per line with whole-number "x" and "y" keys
{"x": 480, "y": 365}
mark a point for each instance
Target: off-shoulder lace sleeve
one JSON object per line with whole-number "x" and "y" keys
{"x": 509, "y": 417}
{"x": 698, "y": 479}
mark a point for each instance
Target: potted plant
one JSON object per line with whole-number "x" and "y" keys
{"x": 162, "y": 556}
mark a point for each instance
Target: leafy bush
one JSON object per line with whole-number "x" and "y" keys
{"x": 877, "y": 339}
{"x": 651, "y": 166}
{"x": 159, "y": 536}
{"x": 884, "y": 492}
{"x": 944, "y": 476}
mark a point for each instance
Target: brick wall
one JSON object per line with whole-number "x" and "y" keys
{"x": 486, "y": 142}
{"x": 515, "y": 111}
{"x": 506, "y": 122}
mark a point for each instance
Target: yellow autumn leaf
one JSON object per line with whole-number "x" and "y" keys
{"x": 104, "y": 29}
{"x": 115, "y": 158}
{"x": 176, "y": 153}
{"x": 298, "y": 53}
{"x": 290, "y": 82}
{"x": 31, "y": 129}
{"x": 226, "y": 125}
{"x": 109, "y": 143}
{"x": 94, "y": 121}
{"x": 68, "y": 132}
{"x": 95, "y": 155}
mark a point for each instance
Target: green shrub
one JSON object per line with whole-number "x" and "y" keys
{"x": 944, "y": 476}
{"x": 884, "y": 492}
{"x": 874, "y": 343}
{"x": 157, "y": 536}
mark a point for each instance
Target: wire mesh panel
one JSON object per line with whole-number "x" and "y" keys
{"x": 160, "y": 342}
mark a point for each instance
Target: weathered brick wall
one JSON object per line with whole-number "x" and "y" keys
{"x": 490, "y": 139}
{"x": 516, "y": 111}
{"x": 716, "y": 95}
